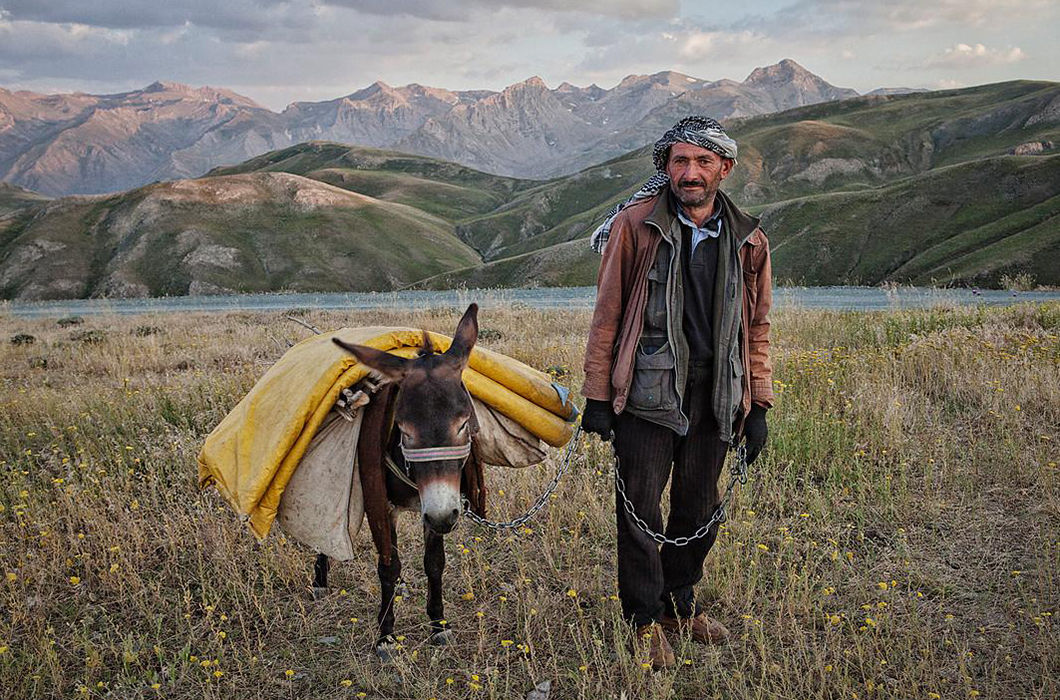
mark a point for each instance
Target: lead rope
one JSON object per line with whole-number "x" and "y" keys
{"x": 737, "y": 472}
{"x": 564, "y": 467}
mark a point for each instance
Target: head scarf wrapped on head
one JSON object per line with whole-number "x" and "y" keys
{"x": 696, "y": 130}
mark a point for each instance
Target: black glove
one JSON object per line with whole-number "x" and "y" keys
{"x": 598, "y": 418}
{"x": 756, "y": 431}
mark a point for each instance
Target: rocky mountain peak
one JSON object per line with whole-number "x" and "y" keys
{"x": 372, "y": 90}
{"x": 166, "y": 86}
{"x": 533, "y": 82}
{"x": 169, "y": 89}
{"x": 786, "y": 71}
{"x": 667, "y": 79}
{"x": 631, "y": 81}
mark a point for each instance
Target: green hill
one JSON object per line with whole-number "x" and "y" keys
{"x": 238, "y": 233}
{"x": 448, "y": 190}
{"x": 14, "y": 199}
{"x": 967, "y": 224}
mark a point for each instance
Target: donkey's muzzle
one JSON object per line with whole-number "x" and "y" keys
{"x": 442, "y": 524}
{"x": 440, "y": 504}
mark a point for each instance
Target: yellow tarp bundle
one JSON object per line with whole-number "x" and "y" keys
{"x": 250, "y": 456}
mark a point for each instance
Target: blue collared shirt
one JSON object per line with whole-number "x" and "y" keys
{"x": 711, "y": 227}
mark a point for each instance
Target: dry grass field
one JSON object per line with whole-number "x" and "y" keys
{"x": 900, "y": 537}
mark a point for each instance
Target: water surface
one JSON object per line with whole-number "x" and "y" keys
{"x": 834, "y": 298}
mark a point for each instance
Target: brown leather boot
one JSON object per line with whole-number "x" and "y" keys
{"x": 701, "y": 628}
{"x": 650, "y": 640}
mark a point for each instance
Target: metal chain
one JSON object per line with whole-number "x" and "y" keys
{"x": 542, "y": 499}
{"x": 738, "y": 472}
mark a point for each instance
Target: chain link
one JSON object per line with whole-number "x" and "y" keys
{"x": 737, "y": 472}
{"x": 542, "y": 499}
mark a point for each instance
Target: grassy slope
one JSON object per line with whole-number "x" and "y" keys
{"x": 449, "y": 190}
{"x": 571, "y": 264}
{"x": 16, "y": 209}
{"x": 922, "y": 229}
{"x": 897, "y": 538}
{"x": 555, "y": 211}
{"x": 13, "y": 198}
{"x": 278, "y": 245}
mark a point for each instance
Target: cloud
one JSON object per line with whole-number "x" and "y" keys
{"x": 468, "y": 10}
{"x": 976, "y": 56}
{"x": 29, "y": 40}
{"x": 702, "y": 49}
{"x": 245, "y": 15}
{"x": 700, "y": 45}
{"x": 948, "y": 84}
{"x": 867, "y": 17}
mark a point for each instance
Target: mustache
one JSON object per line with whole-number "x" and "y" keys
{"x": 691, "y": 183}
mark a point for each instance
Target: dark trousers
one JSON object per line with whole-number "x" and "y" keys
{"x": 653, "y": 582}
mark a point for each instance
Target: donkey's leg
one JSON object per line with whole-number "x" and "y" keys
{"x": 320, "y": 577}
{"x": 434, "y": 565}
{"x": 389, "y": 574}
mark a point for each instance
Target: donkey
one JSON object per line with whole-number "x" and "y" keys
{"x": 422, "y": 419}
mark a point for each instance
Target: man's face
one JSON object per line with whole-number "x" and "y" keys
{"x": 695, "y": 173}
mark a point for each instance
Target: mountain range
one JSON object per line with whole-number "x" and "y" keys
{"x": 90, "y": 144}
{"x": 950, "y": 187}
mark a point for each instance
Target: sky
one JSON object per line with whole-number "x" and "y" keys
{"x": 281, "y": 51}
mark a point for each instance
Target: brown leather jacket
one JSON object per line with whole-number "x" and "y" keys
{"x": 622, "y": 294}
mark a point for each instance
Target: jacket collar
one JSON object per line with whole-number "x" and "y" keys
{"x": 663, "y": 217}
{"x": 743, "y": 225}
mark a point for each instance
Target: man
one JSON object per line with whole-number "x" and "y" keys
{"x": 677, "y": 368}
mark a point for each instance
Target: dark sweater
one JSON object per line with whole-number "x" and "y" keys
{"x": 698, "y": 272}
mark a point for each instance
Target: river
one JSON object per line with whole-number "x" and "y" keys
{"x": 834, "y": 298}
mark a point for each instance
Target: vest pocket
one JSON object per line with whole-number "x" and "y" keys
{"x": 736, "y": 362}
{"x": 655, "y": 309}
{"x": 652, "y": 387}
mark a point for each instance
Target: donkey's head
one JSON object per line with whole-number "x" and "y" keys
{"x": 433, "y": 411}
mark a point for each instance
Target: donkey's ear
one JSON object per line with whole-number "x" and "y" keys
{"x": 465, "y": 336}
{"x": 426, "y": 347}
{"x": 390, "y": 366}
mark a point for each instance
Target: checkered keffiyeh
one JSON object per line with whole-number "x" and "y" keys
{"x": 696, "y": 130}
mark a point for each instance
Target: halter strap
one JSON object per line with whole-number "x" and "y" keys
{"x": 432, "y": 454}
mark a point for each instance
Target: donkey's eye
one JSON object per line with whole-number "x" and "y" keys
{"x": 464, "y": 426}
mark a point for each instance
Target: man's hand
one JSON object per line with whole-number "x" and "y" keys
{"x": 598, "y": 418}
{"x": 755, "y": 430}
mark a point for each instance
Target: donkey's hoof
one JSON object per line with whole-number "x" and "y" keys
{"x": 386, "y": 647}
{"x": 440, "y": 638}
{"x": 320, "y": 592}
